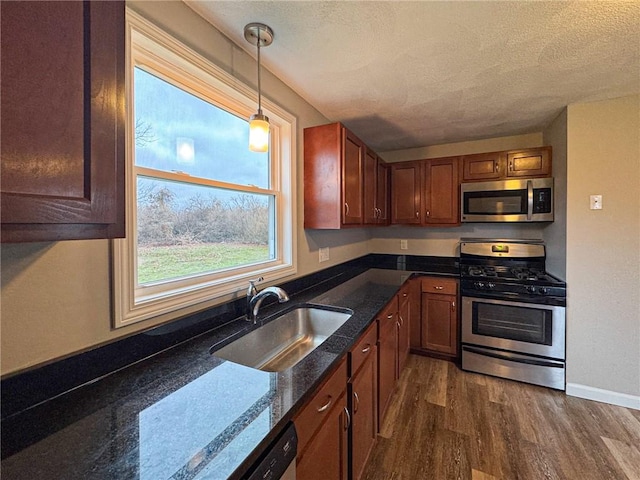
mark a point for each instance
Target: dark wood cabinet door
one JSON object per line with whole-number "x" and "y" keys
{"x": 483, "y": 167}
{"x": 387, "y": 360}
{"x": 404, "y": 328}
{"x": 405, "y": 192}
{"x": 62, "y": 75}
{"x": 353, "y": 152}
{"x": 326, "y": 454}
{"x": 533, "y": 162}
{"x": 370, "y": 187}
{"x": 364, "y": 413}
{"x": 440, "y": 323}
{"x": 441, "y": 198}
{"x": 382, "y": 193}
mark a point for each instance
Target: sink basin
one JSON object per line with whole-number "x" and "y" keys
{"x": 287, "y": 339}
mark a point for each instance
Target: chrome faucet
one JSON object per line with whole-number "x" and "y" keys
{"x": 255, "y": 299}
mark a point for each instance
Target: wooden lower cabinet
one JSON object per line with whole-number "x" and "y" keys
{"x": 325, "y": 455}
{"x": 440, "y": 316}
{"x": 322, "y": 427}
{"x": 387, "y": 356}
{"x": 363, "y": 388}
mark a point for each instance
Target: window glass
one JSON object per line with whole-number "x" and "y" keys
{"x": 187, "y": 229}
{"x": 176, "y": 131}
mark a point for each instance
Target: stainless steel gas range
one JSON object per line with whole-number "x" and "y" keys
{"x": 513, "y": 312}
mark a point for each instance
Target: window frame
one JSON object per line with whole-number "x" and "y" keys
{"x": 160, "y": 54}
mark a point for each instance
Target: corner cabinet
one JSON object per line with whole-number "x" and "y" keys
{"x": 425, "y": 192}
{"x": 62, "y": 114}
{"x": 333, "y": 177}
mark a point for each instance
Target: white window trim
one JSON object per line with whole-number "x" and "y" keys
{"x": 200, "y": 74}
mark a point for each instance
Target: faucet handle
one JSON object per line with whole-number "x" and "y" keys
{"x": 252, "y": 290}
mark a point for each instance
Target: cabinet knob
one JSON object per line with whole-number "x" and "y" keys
{"x": 438, "y": 287}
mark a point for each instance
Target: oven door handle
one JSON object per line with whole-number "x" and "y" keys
{"x": 510, "y": 358}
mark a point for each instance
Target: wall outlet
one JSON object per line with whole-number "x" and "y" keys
{"x": 323, "y": 254}
{"x": 404, "y": 244}
{"x": 595, "y": 202}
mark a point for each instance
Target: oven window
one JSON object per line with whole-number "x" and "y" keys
{"x": 496, "y": 203}
{"x": 531, "y": 325}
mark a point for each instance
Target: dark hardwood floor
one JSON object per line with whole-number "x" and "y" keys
{"x": 445, "y": 424}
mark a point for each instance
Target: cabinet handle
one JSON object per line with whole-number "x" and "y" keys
{"x": 404, "y": 294}
{"x": 346, "y": 208}
{"x": 497, "y": 167}
{"x": 398, "y": 325}
{"x": 348, "y": 417}
{"x": 453, "y": 306}
{"x": 428, "y": 213}
{"x": 511, "y": 165}
{"x": 390, "y": 316}
{"x": 357, "y": 402}
{"x": 417, "y": 214}
{"x": 438, "y": 287}
{"x": 401, "y": 320}
{"x": 367, "y": 349}
{"x": 324, "y": 407}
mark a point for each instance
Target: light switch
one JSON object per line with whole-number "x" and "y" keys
{"x": 595, "y": 202}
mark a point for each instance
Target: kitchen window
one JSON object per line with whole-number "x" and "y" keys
{"x": 204, "y": 214}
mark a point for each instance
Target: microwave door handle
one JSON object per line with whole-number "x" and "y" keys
{"x": 529, "y": 200}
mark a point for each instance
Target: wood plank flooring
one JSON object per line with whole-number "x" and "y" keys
{"x": 446, "y": 424}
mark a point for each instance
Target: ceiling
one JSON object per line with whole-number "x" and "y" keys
{"x": 411, "y": 74}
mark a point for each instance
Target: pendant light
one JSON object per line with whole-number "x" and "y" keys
{"x": 260, "y": 35}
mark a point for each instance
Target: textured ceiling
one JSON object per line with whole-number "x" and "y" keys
{"x": 410, "y": 74}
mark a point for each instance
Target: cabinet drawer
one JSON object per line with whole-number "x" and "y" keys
{"x": 363, "y": 349}
{"x": 311, "y": 417}
{"x": 447, "y": 286}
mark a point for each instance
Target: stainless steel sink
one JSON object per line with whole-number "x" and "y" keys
{"x": 287, "y": 339}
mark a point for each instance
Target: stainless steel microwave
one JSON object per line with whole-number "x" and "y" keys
{"x": 522, "y": 200}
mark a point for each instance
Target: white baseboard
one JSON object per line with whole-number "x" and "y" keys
{"x": 605, "y": 396}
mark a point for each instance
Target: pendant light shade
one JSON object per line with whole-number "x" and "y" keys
{"x": 260, "y": 35}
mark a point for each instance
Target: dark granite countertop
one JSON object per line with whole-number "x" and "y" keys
{"x": 184, "y": 413}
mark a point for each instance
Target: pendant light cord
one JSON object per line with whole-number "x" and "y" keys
{"x": 259, "y": 86}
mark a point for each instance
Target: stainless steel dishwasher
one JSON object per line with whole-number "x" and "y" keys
{"x": 279, "y": 461}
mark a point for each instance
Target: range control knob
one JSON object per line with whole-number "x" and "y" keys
{"x": 491, "y": 285}
{"x": 531, "y": 289}
{"x": 543, "y": 290}
{"x": 479, "y": 285}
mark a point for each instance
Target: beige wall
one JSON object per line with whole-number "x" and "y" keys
{"x": 444, "y": 241}
{"x": 603, "y": 246}
{"x": 555, "y": 234}
{"x": 55, "y": 296}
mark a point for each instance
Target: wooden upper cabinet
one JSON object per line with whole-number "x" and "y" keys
{"x": 370, "y": 187}
{"x": 352, "y": 178}
{"x": 483, "y": 167}
{"x": 440, "y": 192}
{"x": 333, "y": 177}
{"x": 405, "y": 192}
{"x": 382, "y": 193}
{"x": 533, "y": 162}
{"x": 62, "y": 114}
{"x": 530, "y": 162}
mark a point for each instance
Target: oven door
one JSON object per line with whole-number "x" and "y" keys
{"x": 514, "y": 326}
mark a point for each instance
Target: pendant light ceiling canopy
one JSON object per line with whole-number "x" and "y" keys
{"x": 260, "y": 35}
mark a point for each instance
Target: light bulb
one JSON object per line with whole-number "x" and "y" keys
{"x": 259, "y": 133}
